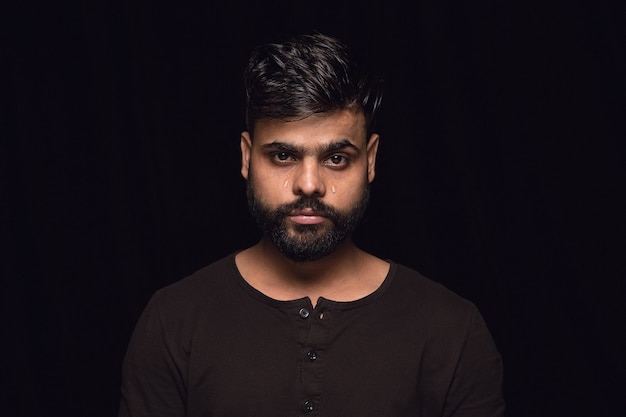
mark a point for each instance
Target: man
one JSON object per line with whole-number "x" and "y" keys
{"x": 304, "y": 322}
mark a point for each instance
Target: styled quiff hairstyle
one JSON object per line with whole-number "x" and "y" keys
{"x": 305, "y": 76}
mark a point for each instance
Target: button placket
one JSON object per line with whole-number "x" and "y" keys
{"x": 312, "y": 331}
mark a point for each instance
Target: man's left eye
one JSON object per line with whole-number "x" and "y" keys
{"x": 336, "y": 159}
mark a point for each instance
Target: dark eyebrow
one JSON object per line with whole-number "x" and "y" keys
{"x": 331, "y": 147}
{"x": 335, "y": 146}
{"x": 282, "y": 146}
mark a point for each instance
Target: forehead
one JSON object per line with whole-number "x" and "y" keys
{"x": 313, "y": 130}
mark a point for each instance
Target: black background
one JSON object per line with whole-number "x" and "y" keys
{"x": 501, "y": 174}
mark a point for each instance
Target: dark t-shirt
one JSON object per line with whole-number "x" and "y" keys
{"x": 212, "y": 345}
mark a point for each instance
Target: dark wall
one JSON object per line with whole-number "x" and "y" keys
{"x": 501, "y": 175}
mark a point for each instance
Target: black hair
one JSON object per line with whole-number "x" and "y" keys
{"x": 308, "y": 75}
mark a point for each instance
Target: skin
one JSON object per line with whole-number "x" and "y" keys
{"x": 324, "y": 156}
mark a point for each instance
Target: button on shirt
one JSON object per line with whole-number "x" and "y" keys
{"x": 304, "y": 313}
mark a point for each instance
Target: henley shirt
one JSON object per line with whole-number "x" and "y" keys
{"x": 211, "y": 345}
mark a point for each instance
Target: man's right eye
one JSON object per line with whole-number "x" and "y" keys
{"x": 281, "y": 157}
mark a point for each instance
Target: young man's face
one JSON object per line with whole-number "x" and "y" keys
{"x": 308, "y": 180}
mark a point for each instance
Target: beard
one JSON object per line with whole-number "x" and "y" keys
{"x": 310, "y": 242}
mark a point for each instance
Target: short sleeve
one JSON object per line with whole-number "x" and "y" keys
{"x": 476, "y": 389}
{"x": 152, "y": 378}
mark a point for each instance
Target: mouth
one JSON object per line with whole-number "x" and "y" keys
{"x": 306, "y": 217}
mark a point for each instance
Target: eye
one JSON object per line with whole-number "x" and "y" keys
{"x": 336, "y": 161}
{"x": 282, "y": 157}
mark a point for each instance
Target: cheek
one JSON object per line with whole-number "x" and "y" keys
{"x": 268, "y": 186}
{"x": 347, "y": 193}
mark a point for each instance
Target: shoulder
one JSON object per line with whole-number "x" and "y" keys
{"x": 435, "y": 314}
{"x": 177, "y": 310}
{"x": 426, "y": 297}
{"x": 420, "y": 286}
{"x": 202, "y": 287}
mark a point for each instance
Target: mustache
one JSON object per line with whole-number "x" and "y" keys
{"x": 311, "y": 203}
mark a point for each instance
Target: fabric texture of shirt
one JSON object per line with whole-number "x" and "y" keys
{"x": 212, "y": 345}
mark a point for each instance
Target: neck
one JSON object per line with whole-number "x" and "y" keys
{"x": 347, "y": 274}
{"x": 343, "y": 275}
{"x": 341, "y": 261}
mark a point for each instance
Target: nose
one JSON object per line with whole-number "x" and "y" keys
{"x": 309, "y": 179}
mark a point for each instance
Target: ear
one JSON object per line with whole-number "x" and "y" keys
{"x": 372, "y": 150}
{"x": 246, "y": 150}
